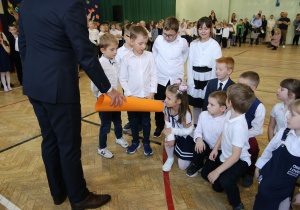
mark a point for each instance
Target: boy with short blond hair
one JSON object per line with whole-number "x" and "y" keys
{"x": 255, "y": 117}
{"x": 138, "y": 78}
{"x": 170, "y": 52}
{"x": 235, "y": 158}
{"x": 208, "y": 130}
{"x": 108, "y": 46}
{"x": 224, "y": 67}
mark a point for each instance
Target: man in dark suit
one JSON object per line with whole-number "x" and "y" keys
{"x": 224, "y": 67}
{"x": 53, "y": 38}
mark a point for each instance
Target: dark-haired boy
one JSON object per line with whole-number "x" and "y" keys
{"x": 170, "y": 52}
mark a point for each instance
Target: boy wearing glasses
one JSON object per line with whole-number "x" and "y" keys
{"x": 170, "y": 53}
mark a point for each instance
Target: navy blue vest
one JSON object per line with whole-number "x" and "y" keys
{"x": 250, "y": 114}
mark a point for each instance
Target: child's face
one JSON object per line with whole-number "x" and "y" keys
{"x": 214, "y": 108}
{"x": 13, "y": 30}
{"x": 222, "y": 72}
{"x": 204, "y": 32}
{"x": 113, "y": 27}
{"x": 283, "y": 94}
{"x": 169, "y": 35}
{"x": 246, "y": 82}
{"x": 171, "y": 100}
{"x": 106, "y": 28}
{"x": 102, "y": 29}
{"x": 119, "y": 27}
{"x": 111, "y": 51}
{"x": 139, "y": 44}
{"x": 241, "y": 22}
{"x": 293, "y": 120}
{"x": 90, "y": 25}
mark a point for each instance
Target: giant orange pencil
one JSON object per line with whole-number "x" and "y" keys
{"x": 133, "y": 104}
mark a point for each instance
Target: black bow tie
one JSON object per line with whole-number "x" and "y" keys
{"x": 111, "y": 62}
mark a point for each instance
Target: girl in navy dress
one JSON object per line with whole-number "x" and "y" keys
{"x": 179, "y": 127}
{"x": 278, "y": 168}
{"x": 5, "y": 63}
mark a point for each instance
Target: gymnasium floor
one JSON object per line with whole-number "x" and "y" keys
{"x": 134, "y": 181}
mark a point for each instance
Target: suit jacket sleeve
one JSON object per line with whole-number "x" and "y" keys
{"x": 21, "y": 39}
{"x": 207, "y": 92}
{"x": 75, "y": 26}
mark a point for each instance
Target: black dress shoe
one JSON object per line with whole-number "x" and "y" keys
{"x": 91, "y": 202}
{"x": 59, "y": 199}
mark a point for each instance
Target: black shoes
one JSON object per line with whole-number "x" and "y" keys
{"x": 157, "y": 133}
{"x": 91, "y": 202}
{"x": 193, "y": 171}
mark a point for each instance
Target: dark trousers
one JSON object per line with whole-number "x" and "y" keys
{"x": 198, "y": 158}
{"x": 254, "y": 150}
{"x": 239, "y": 39}
{"x": 18, "y": 64}
{"x": 106, "y": 119}
{"x": 245, "y": 36}
{"x": 296, "y": 39}
{"x": 251, "y": 41}
{"x": 219, "y": 39}
{"x": 227, "y": 180}
{"x": 134, "y": 119}
{"x": 224, "y": 42}
{"x": 159, "y": 116}
{"x": 61, "y": 148}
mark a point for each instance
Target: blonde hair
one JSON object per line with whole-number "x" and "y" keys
{"x": 277, "y": 31}
{"x": 295, "y": 106}
{"x": 252, "y": 77}
{"x": 107, "y": 39}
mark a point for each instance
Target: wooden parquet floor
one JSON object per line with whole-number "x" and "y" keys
{"x": 134, "y": 181}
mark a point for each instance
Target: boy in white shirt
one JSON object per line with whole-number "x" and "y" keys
{"x": 255, "y": 117}
{"x": 108, "y": 47}
{"x": 235, "y": 158}
{"x": 208, "y": 130}
{"x": 170, "y": 52}
{"x": 138, "y": 78}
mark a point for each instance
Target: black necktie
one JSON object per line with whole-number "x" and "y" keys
{"x": 220, "y": 87}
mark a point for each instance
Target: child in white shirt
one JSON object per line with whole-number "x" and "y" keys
{"x": 289, "y": 91}
{"x": 235, "y": 158}
{"x": 280, "y": 165}
{"x": 108, "y": 47}
{"x": 93, "y": 36}
{"x": 138, "y": 78}
{"x": 170, "y": 52}
{"x": 208, "y": 130}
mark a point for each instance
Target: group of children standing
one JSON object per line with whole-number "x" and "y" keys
{"x": 228, "y": 115}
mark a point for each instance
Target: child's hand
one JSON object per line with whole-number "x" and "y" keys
{"x": 200, "y": 146}
{"x": 213, "y": 176}
{"x": 296, "y": 199}
{"x": 167, "y": 131}
{"x": 170, "y": 143}
{"x": 256, "y": 173}
{"x": 151, "y": 96}
{"x": 213, "y": 155}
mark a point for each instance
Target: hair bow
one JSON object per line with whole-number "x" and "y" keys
{"x": 177, "y": 82}
{"x": 182, "y": 87}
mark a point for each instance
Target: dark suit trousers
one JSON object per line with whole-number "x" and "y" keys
{"x": 160, "y": 95}
{"x": 61, "y": 148}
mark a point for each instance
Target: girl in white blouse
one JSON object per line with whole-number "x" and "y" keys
{"x": 201, "y": 66}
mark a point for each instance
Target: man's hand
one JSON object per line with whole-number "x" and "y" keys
{"x": 116, "y": 97}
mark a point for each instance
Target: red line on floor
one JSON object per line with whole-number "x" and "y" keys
{"x": 14, "y": 103}
{"x": 167, "y": 183}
